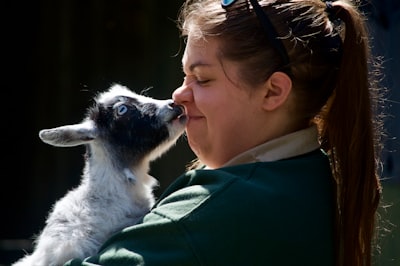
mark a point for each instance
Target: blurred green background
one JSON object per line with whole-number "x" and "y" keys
{"x": 57, "y": 54}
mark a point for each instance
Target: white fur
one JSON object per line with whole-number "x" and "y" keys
{"x": 108, "y": 199}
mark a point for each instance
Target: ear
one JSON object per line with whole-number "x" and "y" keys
{"x": 69, "y": 135}
{"x": 278, "y": 86}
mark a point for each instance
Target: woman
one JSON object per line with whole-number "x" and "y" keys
{"x": 281, "y": 116}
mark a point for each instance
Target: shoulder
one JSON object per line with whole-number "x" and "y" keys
{"x": 199, "y": 188}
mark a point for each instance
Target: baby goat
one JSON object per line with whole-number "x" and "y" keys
{"x": 123, "y": 132}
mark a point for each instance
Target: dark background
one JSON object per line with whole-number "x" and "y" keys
{"x": 57, "y": 54}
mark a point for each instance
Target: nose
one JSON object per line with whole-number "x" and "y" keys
{"x": 183, "y": 94}
{"x": 178, "y": 109}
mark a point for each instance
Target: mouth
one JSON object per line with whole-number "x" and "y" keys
{"x": 179, "y": 114}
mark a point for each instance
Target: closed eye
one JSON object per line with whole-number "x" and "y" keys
{"x": 203, "y": 82}
{"x": 194, "y": 78}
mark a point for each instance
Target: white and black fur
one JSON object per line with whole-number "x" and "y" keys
{"x": 123, "y": 132}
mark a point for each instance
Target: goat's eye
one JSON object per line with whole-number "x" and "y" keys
{"x": 122, "y": 109}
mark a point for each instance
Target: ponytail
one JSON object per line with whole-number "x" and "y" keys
{"x": 348, "y": 134}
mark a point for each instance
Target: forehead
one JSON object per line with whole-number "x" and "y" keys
{"x": 118, "y": 91}
{"x": 200, "y": 52}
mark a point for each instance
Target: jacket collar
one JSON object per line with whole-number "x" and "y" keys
{"x": 293, "y": 144}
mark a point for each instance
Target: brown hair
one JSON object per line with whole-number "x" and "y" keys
{"x": 329, "y": 65}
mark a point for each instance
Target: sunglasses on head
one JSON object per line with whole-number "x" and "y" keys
{"x": 269, "y": 29}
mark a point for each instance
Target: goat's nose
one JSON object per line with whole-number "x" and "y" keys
{"x": 170, "y": 103}
{"x": 176, "y": 107}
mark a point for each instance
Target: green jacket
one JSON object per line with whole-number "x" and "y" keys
{"x": 262, "y": 213}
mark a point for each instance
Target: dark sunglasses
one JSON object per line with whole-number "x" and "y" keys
{"x": 268, "y": 28}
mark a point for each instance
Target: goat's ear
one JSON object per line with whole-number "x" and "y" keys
{"x": 69, "y": 135}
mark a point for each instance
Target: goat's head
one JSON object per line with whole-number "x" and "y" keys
{"x": 128, "y": 126}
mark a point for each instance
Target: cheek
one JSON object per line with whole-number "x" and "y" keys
{"x": 233, "y": 118}
{"x": 211, "y": 100}
{"x": 222, "y": 121}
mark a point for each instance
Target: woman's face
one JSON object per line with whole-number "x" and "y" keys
{"x": 224, "y": 119}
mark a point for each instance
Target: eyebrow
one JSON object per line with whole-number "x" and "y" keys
{"x": 198, "y": 64}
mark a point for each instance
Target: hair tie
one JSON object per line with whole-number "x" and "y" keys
{"x": 329, "y": 9}
{"x": 328, "y": 6}
{"x": 334, "y": 42}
